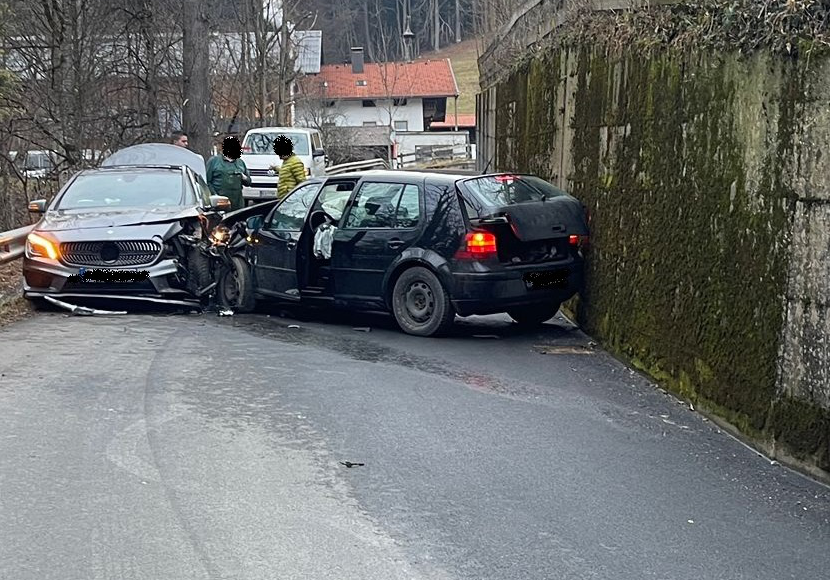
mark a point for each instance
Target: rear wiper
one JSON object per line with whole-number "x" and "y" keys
{"x": 536, "y": 189}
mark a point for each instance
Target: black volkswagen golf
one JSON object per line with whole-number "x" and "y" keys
{"x": 423, "y": 246}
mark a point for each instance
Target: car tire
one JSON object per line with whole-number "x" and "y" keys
{"x": 532, "y": 316}
{"x": 236, "y": 288}
{"x": 198, "y": 270}
{"x": 420, "y": 304}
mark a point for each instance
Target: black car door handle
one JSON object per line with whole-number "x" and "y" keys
{"x": 395, "y": 243}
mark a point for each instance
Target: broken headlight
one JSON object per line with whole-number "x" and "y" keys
{"x": 220, "y": 235}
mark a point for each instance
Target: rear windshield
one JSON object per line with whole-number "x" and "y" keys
{"x": 499, "y": 190}
{"x": 145, "y": 188}
{"x": 263, "y": 143}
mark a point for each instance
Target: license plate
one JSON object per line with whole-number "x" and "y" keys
{"x": 551, "y": 279}
{"x": 109, "y": 276}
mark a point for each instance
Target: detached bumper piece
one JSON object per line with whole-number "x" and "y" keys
{"x": 81, "y": 310}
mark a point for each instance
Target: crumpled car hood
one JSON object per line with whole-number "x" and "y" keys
{"x": 55, "y": 221}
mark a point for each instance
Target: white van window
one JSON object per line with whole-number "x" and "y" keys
{"x": 315, "y": 139}
{"x": 263, "y": 143}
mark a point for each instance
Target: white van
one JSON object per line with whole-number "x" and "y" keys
{"x": 258, "y": 155}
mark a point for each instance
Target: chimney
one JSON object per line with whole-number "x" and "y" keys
{"x": 357, "y": 60}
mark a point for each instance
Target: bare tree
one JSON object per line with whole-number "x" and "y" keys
{"x": 196, "y": 79}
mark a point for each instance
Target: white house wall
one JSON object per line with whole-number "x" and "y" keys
{"x": 354, "y": 114}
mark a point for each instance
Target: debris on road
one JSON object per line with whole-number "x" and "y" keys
{"x": 362, "y": 329}
{"x": 564, "y": 349}
{"x": 293, "y": 326}
{"x": 226, "y": 312}
{"x": 81, "y": 310}
{"x": 350, "y": 464}
{"x": 485, "y": 336}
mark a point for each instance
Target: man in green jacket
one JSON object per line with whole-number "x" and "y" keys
{"x": 227, "y": 172}
{"x": 292, "y": 172}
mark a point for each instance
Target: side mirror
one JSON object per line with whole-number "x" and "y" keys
{"x": 220, "y": 202}
{"x": 318, "y": 153}
{"x": 37, "y": 206}
{"x": 253, "y": 223}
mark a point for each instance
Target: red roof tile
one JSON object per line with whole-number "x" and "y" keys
{"x": 430, "y": 78}
{"x": 449, "y": 122}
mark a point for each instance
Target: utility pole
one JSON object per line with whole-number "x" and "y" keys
{"x": 197, "y": 109}
{"x": 436, "y": 26}
{"x": 457, "y": 20}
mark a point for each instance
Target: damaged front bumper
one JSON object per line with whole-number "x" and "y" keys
{"x": 51, "y": 278}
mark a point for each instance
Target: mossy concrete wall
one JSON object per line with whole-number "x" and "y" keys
{"x": 708, "y": 180}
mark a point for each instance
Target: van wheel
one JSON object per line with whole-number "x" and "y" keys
{"x": 420, "y": 303}
{"x": 236, "y": 288}
{"x": 536, "y": 315}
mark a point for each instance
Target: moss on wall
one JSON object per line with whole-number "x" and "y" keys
{"x": 685, "y": 161}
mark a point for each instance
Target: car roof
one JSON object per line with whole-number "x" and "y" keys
{"x": 286, "y": 129}
{"x": 157, "y": 155}
{"x": 413, "y": 175}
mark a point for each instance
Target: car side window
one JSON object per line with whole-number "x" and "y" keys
{"x": 409, "y": 208}
{"x": 333, "y": 199}
{"x": 316, "y": 141}
{"x": 291, "y": 213}
{"x": 381, "y": 205}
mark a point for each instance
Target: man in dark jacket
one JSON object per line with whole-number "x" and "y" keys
{"x": 227, "y": 172}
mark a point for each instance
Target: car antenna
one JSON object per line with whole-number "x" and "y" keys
{"x": 486, "y": 167}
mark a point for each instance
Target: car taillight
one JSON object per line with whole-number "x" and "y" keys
{"x": 578, "y": 242}
{"x": 478, "y": 246}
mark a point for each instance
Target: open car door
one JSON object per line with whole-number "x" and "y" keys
{"x": 277, "y": 242}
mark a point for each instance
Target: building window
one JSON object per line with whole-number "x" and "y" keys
{"x": 368, "y": 103}
{"x": 360, "y": 83}
{"x": 399, "y": 102}
{"x": 401, "y": 125}
{"x": 370, "y": 123}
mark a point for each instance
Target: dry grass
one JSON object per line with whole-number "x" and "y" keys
{"x": 464, "y": 58}
{"x": 13, "y": 306}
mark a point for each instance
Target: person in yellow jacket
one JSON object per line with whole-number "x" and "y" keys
{"x": 292, "y": 171}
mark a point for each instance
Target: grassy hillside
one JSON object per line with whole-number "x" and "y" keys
{"x": 464, "y": 58}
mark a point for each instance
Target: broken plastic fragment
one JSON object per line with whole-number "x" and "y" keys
{"x": 362, "y": 329}
{"x": 81, "y": 310}
{"x": 293, "y": 326}
{"x": 226, "y": 312}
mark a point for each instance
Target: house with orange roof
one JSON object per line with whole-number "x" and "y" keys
{"x": 406, "y": 96}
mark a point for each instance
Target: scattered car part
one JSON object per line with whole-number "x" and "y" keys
{"x": 82, "y": 310}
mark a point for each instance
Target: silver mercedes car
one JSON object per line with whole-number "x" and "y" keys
{"x": 136, "y": 228}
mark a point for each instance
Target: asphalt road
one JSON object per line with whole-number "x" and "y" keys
{"x": 190, "y": 447}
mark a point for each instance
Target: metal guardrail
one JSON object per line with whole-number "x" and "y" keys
{"x": 13, "y": 243}
{"x": 357, "y": 166}
{"x": 434, "y": 156}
